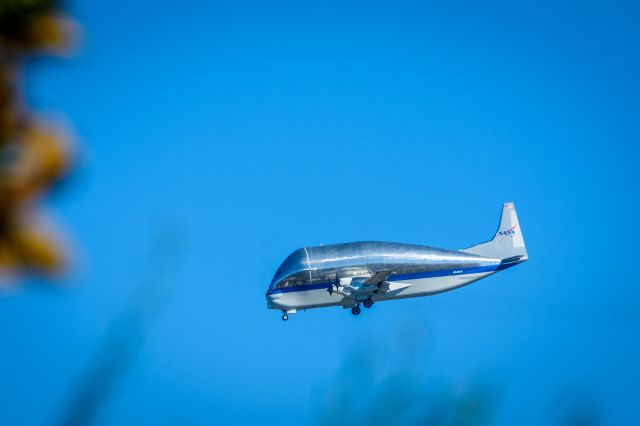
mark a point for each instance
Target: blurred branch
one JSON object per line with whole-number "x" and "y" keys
{"x": 126, "y": 333}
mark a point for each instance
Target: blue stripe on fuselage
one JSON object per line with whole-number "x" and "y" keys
{"x": 403, "y": 277}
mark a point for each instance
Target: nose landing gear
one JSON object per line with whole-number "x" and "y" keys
{"x": 285, "y": 317}
{"x": 355, "y": 310}
{"x": 368, "y": 303}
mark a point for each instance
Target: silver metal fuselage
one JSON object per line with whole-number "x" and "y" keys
{"x": 306, "y": 278}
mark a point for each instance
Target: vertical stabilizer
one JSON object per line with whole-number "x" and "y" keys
{"x": 508, "y": 241}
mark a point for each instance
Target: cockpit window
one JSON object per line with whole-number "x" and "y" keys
{"x": 293, "y": 271}
{"x": 300, "y": 278}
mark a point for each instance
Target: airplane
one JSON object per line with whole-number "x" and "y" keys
{"x": 367, "y": 272}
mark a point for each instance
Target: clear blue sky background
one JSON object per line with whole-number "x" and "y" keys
{"x": 258, "y": 128}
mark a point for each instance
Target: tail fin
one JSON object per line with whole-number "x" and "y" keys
{"x": 508, "y": 243}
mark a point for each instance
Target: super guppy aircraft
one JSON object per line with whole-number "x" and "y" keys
{"x": 370, "y": 271}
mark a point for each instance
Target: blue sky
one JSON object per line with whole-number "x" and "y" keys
{"x": 251, "y": 129}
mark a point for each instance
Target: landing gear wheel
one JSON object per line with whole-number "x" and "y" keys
{"x": 355, "y": 310}
{"x": 285, "y": 317}
{"x": 367, "y": 303}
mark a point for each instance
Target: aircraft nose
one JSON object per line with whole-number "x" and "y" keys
{"x": 272, "y": 300}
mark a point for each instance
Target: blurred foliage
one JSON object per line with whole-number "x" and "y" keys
{"x": 387, "y": 384}
{"x": 577, "y": 406}
{"x": 34, "y": 155}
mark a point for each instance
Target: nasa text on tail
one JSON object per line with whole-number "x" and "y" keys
{"x": 366, "y": 272}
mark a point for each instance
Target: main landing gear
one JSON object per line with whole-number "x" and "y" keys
{"x": 285, "y": 317}
{"x": 367, "y": 304}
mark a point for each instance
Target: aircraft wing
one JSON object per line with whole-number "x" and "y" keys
{"x": 362, "y": 287}
{"x": 377, "y": 283}
{"x": 377, "y": 278}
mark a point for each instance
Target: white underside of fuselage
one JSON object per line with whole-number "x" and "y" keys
{"x": 316, "y": 298}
